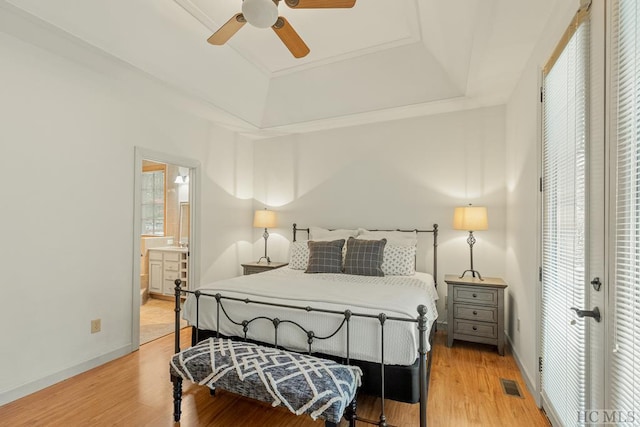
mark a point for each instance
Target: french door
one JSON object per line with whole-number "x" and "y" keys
{"x": 573, "y": 214}
{"x": 623, "y": 385}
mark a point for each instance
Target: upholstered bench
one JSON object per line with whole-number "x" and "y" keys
{"x": 302, "y": 383}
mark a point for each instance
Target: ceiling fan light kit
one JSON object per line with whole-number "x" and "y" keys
{"x": 264, "y": 13}
{"x": 260, "y": 13}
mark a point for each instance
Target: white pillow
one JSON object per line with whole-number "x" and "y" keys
{"x": 396, "y": 238}
{"x": 399, "y": 260}
{"x": 322, "y": 234}
{"x": 298, "y": 255}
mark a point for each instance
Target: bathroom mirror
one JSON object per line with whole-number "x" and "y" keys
{"x": 185, "y": 218}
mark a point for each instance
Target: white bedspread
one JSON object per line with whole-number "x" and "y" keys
{"x": 396, "y": 296}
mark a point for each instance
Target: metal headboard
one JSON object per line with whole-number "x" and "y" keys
{"x": 434, "y": 230}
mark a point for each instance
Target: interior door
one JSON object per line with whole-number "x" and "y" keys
{"x": 572, "y": 354}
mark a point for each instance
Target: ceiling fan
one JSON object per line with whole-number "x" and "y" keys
{"x": 264, "y": 13}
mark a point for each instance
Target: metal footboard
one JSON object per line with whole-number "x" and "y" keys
{"x": 344, "y": 323}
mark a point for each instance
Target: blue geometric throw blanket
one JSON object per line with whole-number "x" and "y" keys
{"x": 304, "y": 384}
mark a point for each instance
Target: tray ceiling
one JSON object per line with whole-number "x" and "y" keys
{"x": 380, "y": 56}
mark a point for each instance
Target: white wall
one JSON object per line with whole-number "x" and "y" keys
{"x": 522, "y": 173}
{"x": 406, "y": 173}
{"x": 67, "y": 138}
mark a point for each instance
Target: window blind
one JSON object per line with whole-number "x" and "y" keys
{"x": 564, "y": 226}
{"x": 625, "y": 125}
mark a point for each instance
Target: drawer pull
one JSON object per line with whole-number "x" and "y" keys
{"x": 475, "y": 295}
{"x": 475, "y": 328}
{"x": 475, "y": 313}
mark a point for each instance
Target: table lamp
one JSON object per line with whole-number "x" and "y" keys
{"x": 470, "y": 218}
{"x": 264, "y": 218}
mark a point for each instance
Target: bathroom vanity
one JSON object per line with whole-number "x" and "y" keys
{"x": 166, "y": 264}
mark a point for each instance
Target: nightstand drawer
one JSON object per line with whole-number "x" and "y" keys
{"x": 475, "y": 295}
{"x": 478, "y": 329}
{"x": 256, "y": 267}
{"x": 472, "y": 312}
{"x": 253, "y": 270}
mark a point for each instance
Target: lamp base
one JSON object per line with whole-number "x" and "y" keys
{"x": 264, "y": 257}
{"x": 473, "y": 274}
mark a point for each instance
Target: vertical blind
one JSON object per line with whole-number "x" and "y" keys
{"x": 564, "y": 226}
{"x": 625, "y": 125}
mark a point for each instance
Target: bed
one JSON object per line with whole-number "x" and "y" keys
{"x": 320, "y": 301}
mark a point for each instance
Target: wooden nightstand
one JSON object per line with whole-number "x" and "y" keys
{"x": 259, "y": 267}
{"x": 475, "y": 310}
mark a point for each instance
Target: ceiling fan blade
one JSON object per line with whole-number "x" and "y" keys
{"x": 225, "y": 32}
{"x": 290, "y": 38}
{"x": 317, "y": 4}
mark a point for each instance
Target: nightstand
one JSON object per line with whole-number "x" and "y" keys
{"x": 475, "y": 310}
{"x": 259, "y": 267}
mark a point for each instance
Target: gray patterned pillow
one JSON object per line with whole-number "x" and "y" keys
{"x": 364, "y": 257}
{"x": 325, "y": 257}
{"x": 399, "y": 260}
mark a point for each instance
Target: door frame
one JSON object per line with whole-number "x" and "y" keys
{"x": 194, "y": 167}
{"x": 598, "y": 139}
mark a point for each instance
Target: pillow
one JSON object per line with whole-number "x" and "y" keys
{"x": 325, "y": 257}
{"x": 364, "y": 257}
{"x": 298, "y": 255}
{"x": 399, "y": 260}
{"x": 317, "y": 233}
{"x": 397, "y": 238}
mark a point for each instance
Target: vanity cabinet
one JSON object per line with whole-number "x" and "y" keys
{"x": 165, "y": 266}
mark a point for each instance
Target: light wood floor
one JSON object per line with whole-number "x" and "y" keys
{"x": 135, "y": 391}
{"x": 157, "y": 319}
{"x": 157, "y": 310}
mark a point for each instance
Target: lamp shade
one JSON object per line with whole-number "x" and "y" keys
{"x": 264, "y": 219}
{"x": 470, "y": 218}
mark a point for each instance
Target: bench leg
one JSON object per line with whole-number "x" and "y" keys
{"x": 212, "y": 391}
{"x": 177, "y": 397}
{"x": 350, "y": 413}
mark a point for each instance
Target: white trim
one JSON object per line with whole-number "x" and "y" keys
{"x": 528, "y": 380}
{"x": 611, "y": 172}
{"x": 194, "y": 242}
{"x": 39, "y": 384}
{"x": 538, "y": 312}
{"x": 549, "y": 411}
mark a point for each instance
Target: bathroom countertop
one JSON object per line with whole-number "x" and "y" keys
{"x": 170, "y": 248}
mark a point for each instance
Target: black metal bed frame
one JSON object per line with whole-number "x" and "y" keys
{"x": 346, "y": 315}
{"x": 424, "y": 363}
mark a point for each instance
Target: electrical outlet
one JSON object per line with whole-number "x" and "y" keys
{"x": 518, "y": 325}
{"x": 95, "y": 326}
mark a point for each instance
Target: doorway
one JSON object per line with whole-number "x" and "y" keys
{"x": 164, "y": 244}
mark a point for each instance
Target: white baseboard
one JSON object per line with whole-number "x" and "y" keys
{"x": 32, "y": 387}
{"x": 529, "y": 382}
